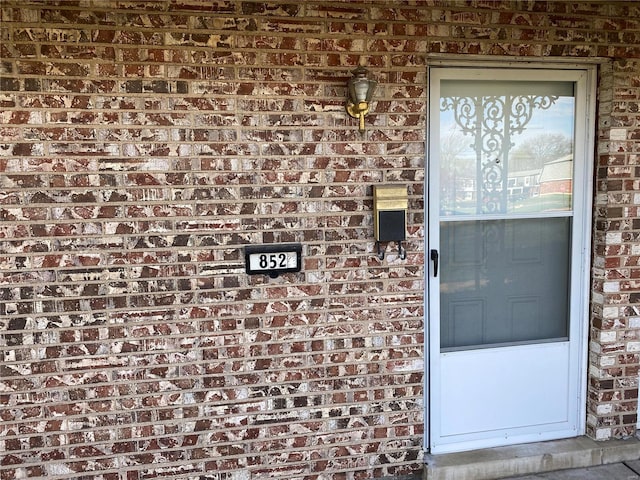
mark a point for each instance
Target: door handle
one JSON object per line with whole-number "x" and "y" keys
{"x": 434, "y": 258}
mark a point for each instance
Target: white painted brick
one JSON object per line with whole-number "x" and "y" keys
{"x": 604, "y": 409}
{"x": 618, "y": 134}
{"x": 610, "y": 312}
{"x": 608, "y": 337}
{"x": 607, "y": 361}
{"x": 614, "y": 238}
{"x": 611, "y": 287}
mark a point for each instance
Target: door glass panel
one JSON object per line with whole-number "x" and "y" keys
{"x": 504, "y": 281}
{"x": 506, "y": 147}
{"x": 506, "y": 183}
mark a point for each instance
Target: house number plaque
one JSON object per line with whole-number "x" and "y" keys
{"x": 273, "y": 260}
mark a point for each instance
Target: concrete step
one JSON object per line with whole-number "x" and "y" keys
{"x": 531, "y": 458}
{"x": 613, "y": 471}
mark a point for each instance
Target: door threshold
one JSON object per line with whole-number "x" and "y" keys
{"x": 530, "y": 458}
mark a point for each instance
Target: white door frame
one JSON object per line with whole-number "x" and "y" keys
{"x": 583, "y": 182}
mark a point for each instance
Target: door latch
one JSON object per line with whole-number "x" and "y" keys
{"x": 434, "y": 259}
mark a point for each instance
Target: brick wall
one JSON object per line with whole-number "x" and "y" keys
{"x": 146, "y": 142}
{"x": 614, "y": 350}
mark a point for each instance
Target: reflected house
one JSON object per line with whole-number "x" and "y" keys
{"x": 465, "y": 189}
{"x": 553, "y": 179}
{"x": 556, "y": 176}
{"x": 523, "y": 184}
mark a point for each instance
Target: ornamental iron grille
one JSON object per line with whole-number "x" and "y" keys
{"x": 492, "y": 121}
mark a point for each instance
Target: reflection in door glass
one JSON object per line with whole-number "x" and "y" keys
{"x": 506, "y": 147}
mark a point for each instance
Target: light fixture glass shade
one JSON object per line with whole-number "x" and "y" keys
{"x": 359, "y": 95}
{"x": 371, "y": 89}
{"x": 361, "y": 89}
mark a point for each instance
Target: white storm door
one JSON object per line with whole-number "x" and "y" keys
{"x": 508, "y": 245}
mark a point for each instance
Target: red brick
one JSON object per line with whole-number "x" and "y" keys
{"x": 147, "y": 143}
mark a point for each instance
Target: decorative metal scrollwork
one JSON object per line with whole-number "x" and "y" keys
{"x": 492, "y": 121}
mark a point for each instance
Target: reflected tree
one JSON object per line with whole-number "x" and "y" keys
{"x": 534, "y": 152}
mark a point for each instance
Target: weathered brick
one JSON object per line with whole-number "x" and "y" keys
{"x": 145, "y": 143}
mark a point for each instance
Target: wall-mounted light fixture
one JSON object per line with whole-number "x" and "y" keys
{"x": 360, "y": 92}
